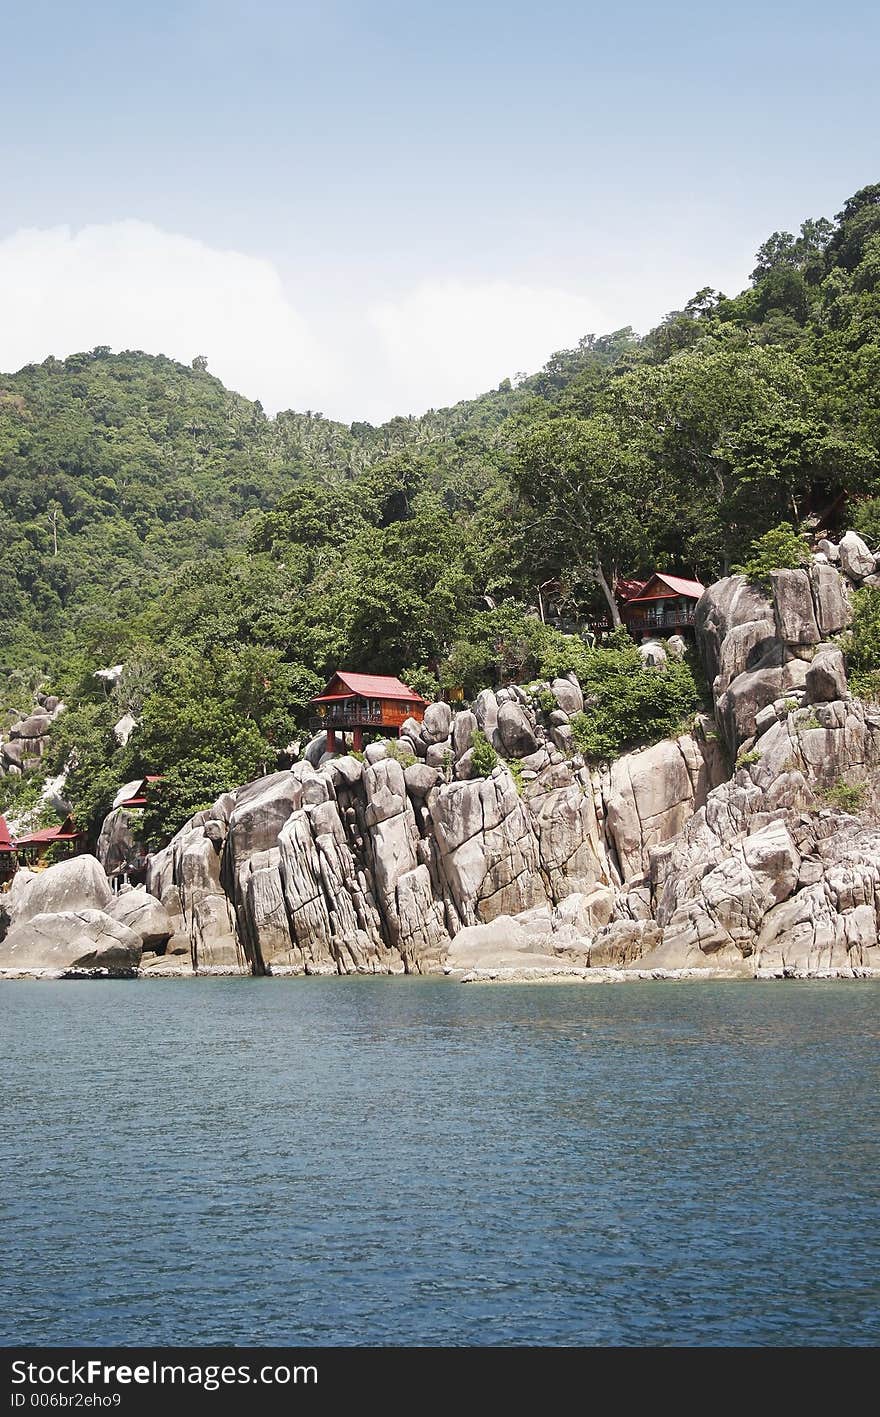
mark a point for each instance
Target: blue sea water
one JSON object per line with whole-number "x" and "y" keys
{"x": 406, "y": 1161}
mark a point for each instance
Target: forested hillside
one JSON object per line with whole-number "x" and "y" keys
{"x": 152, "y": 517}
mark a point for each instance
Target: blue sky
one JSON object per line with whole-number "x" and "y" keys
{"x": 378, "y": 207}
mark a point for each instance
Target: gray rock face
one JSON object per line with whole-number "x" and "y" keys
{"x": 36, "y": 726}
{"x": 826, "y": 676}
{"x": 74, "y": 885}
{"x": 515, "y": 732}
{"x": 487, "y": 856}
{"x": 730, "y": 605}
{"x": 649, "y": 796}
{"x": 765, "y": 872}
{"x": 463, "y": 729}
{"x": 82, "y": 940}
{"x": 439, "y": 755}
{"x": 856, "y": 560}
{"x": 775, "y": 676}
{"x": 411, "y": 730}
{"x": 419, "y": 779}
{"x": 759, "y": 650}
{"x": 507, "y": 944}
{"x": 833, "y": 611}
{"x": 830, "y": 550}
{"x": 117, "y": 842}
{"x": 795, "y": 615}
{"x": 14, "y": 754}
{"x": 143, "y": 914}
{"x": 315, "y": 749}
{"x": 486, "y": 712}
{"x": 437, "y": 722}
{"x": 567, "y": 695}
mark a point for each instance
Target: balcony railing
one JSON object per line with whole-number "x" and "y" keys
{"x": 660, "y": 619}
{"x": 344, "y": 716}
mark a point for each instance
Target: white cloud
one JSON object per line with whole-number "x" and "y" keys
{"x": 449, "y": 340}
{"x": 132, "y": 286}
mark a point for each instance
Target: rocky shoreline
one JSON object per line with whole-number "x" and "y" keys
{"x": 418, "y": 859}
{"x": 565, "y": 974}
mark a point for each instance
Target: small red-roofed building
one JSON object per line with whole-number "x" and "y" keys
{"x": 8, "y": 854}
{"x": 64, "y": 840}
{"x": 352, "y": 702}
{"x": 663, "y": 605}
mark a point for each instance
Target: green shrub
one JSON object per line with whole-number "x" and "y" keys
{"x": 745, "y": 760}
{"x": 496, "y": 647}
{"x": 483, "y": 755}
{"x": 866, "y": 520}
{"x": 405, "y": 756}
{"x": 780, "y": 549}
{"x": 849, "y": 797}
{"x": 861, "y": 644}
{"x": 808, "y": 721}
{"x": 516, "y": 772}
{"x": 545, "y": 701}
{"x": 423, "y": 680}
{"x": 627, "y": 702}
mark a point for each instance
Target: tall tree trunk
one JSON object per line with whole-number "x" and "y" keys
{"x": 608, "y": 593}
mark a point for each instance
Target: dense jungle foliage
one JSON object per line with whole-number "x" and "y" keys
{"x": 153, "y": 518}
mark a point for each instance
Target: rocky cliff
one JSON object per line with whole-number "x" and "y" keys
{"x": 378, "y": 866}
{"x": 410, "y": 860}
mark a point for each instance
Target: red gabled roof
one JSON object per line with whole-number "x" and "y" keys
{"x": 628, "y": 590}
{"x": 676, "y": 585}
{"x": 5, "y": 838}
{"x": 369, "y": 686}
{"x": 65, "y": 832}
{"x": 39, "y": 838}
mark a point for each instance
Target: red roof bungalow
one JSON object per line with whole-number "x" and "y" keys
{"x": 664, "y": 605}
{"x": 34, "y": 847}
{"x": 353, "y": 702}
{"x": 8, "y": 858}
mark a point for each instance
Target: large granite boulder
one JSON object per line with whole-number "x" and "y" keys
{"x": 77, "y": 884}
{"x": 826, "y": 676}
{"x": 833, "y": 612}
{"x": 777, "y": 675}
{"x": 516, "y": 734}
{"x": 437, "y": 722}
{"x": 731, "y": 605}
{"x": 37, "y": 725}
{"x": 568, "y": 695}
{"x": 118, "y": 839}
{"x": 571, "y": 847}
{"x": 856, "y": 560}
{"x": 485, "y": 852}
{"x": 146, "y": 916}
{"x": 485, "y": 710}
{"x": 517, "y": 945}
{"x": 63, "y": 941}
{"x": 463, "y": 729}
{"x": 795, "y": 613}
{"x": 650, "y": 795}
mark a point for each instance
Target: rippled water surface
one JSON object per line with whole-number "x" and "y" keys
{"x": 413, "y": 1161}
